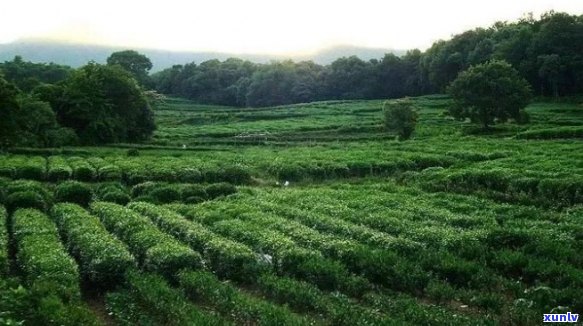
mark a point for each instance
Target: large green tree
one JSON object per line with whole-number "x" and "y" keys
{"x": 488, "y": 92}
{"x": 104, "y": 104}
{"x": 134, "y": 62}
{"x": 9, "y": 110}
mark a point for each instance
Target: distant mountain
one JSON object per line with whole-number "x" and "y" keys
{"x": 76, "y": 55}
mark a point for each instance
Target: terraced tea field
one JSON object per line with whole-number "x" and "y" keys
{"x": 307, "y": 214}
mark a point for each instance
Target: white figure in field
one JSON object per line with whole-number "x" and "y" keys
{"x": 286, "y": 184}
{"x": 183, "y": 146}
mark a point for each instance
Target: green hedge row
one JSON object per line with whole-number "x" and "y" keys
{"x": 244, "y": 309}
{"x": 554, "y": 133}
{"x": 163, "y": 193}
{"x": 103, "y": 259}
{"x": 27, "y": 194}
{"x": 378, "y": 265}
{"x": 113, "y": 192}
{"x": 74, "y": 192}
{"x": 225, "y": 257}
{"x": 58, "y": 169}
{"x": 82, "y": 169}
{"x": 507, "y": 185}
{"x": 149, "y": 300}
{"x": 154, "y": 249}
{"x": 105, "y": 171}
{"x": 4, "y": 262}
{"x": 290, "y": 259}
{"x": 41, "y": 256}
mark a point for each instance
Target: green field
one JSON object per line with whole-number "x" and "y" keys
{"x": 306, "y": 214}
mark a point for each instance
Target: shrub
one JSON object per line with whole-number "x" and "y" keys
{"x": 4, "y": 262}
{"x": 224, "y": 257}
{"x": 243, "y": 308}
{"x": 188, "y": 191}
{"x": 400, "y": 117}
{"x": 156, "y": 304}
{"x": 25, "y": 199}
{"x": 133, "y": 152}
{"x": 118, "y": 197}
{"x": 32, "y": 172}
{"x": 43, "y": 260}
{"x": 82, "y": 170}
{"x": 103, "y": 258}
{"x": 165, "y": 194}
{"x": 143, "y": 188}
{"x": 154, "y": 249}
{"x": 74, "y": 192}
{"x": 236, "y": 174}
{"x": 220, "y": 189}
{"x": 58, "y": 169}
{"x": 189, "y": 175}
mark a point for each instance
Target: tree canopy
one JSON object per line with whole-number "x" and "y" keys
{"x": 547, "y": 52}
{"x": 489, "y": 91}
{"x": 104, "y": 104}
{"x": 135, "y": 63}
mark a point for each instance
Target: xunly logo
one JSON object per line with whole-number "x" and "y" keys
{"x": 561, "y": 318}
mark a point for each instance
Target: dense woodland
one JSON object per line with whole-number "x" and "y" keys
{"x": 548, "y": 53}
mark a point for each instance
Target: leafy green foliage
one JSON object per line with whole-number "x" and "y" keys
{"x": 225, "y": 257}
{"x": 400, "y": 117}
{"x": 205, "y": 287}
{"x": 151, "y": 301}
{"x": 45, "y": 264}
{"x": 74, "y": 192}
{"x": 103, "y": 259}
{"x": 104, "y": 104}
{"x": 489, "y": 91}
{"x": 154, "y": 250}
{"x": 133, "y": 62}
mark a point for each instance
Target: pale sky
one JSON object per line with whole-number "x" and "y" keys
{"x": 257, "y": 26}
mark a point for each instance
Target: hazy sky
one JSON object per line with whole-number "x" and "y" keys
{"x": 256, "y": 26}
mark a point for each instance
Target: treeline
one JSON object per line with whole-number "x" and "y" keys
{"x": 547, "y": 52}
{"x": 48, "y": 105}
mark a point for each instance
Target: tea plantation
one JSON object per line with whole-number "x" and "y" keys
{"x": 306, "y": 214}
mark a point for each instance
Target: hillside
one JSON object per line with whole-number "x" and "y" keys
{"x": 76, "y": 55}
{"x": 307, "y": 214}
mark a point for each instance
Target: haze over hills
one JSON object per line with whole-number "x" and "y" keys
{"x": 76, "y": 55}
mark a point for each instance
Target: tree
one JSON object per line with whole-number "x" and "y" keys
{"x": 9, "y": 110}
{"x": 133, "y": 62}
{"x": 400, "y": 117}
{"x": 489, "y": 91}
{"x": 104, "y": 104}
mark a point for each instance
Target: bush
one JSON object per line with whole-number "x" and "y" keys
{"x": 45, "y": 264}
{"x": 157, "y": 304}
{"x": 188, "y": 191}
{"x": 154, "y": 249}
{"x": 133, "y": 152}
{"x": 243, "y": 308}
{"x": 82, "y": 170}
{"x": 103, "y": 258}
{"x": 143, "y": 188}
{"x": 32, "y": 172}
{"x": 220, "y": 189}
{"x": 74, "y": 192}
{"x": 117, "y": 197}
{"x": 400, "y": 117}
{"x": 58, "y": 169}
{"x": 4, "y": 262}
{"x": 224, "y": 257}
{"x": 189, "y": 175}
{"x": 165, "y": 194}
{"x": 26, "y": 199}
